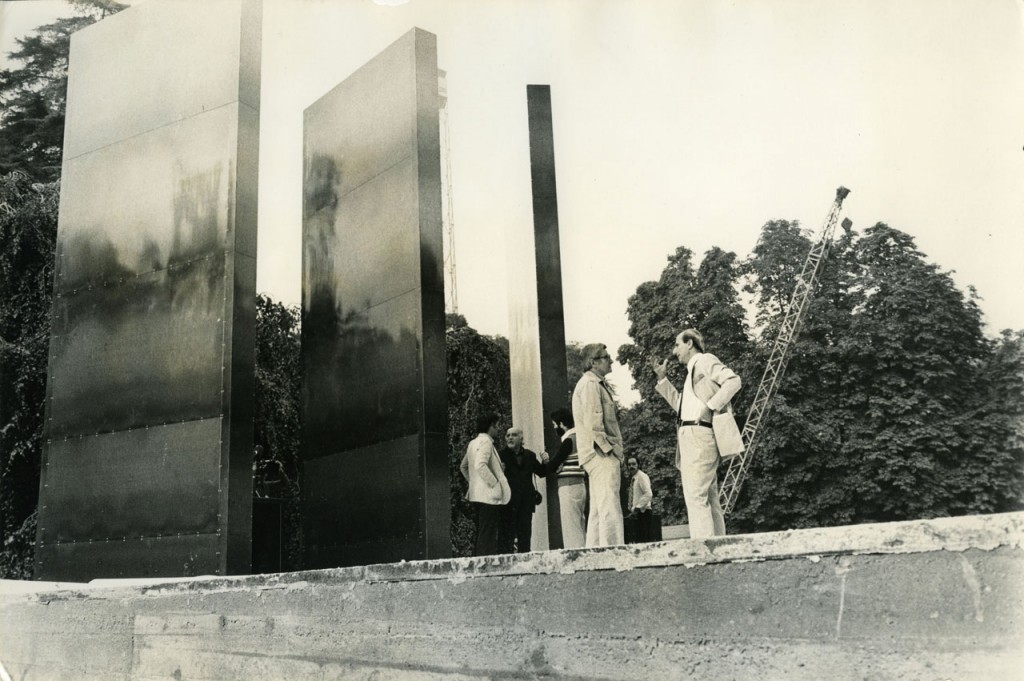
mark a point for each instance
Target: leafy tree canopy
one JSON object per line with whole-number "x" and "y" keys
{"x": 28, "y": 230}
{"x": 707, "y": 299}
{"x": 478, "y": 381}
{"x": 277, "y": 466}
{"x": 33, "y": 95}
{"x": 894, "y": 404}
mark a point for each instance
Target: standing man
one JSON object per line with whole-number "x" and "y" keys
{"x": 709, "y": 388}
{"x": 599, "y": 441}
{"x": 572, "y": 482}
{"x": 639, "y": 504}
{"x": 520, "y": 466}
{"x": 488, "y": 488}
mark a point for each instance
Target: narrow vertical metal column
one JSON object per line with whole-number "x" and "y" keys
{"x": 550, "y": 311}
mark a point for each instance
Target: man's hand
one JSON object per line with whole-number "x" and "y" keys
{"x": 660, "y": 368}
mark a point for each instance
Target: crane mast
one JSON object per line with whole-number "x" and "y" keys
{"x": 779, "y": 357}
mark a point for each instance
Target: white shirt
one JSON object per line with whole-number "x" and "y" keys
{"x": 640, "y": 493}
{"x": 692, "y": 408}
{"x": 687, "y": 403}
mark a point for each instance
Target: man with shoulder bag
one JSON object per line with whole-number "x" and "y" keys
{"x": 520, "y": 466}
{"x": 704, "y": 425}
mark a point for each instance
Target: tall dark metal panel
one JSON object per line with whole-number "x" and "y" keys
{"x": 375, "y": 484}
{"x": 148, "y": 436}
{"x": 547, "y": 251}
{"x": 537, "y": 330}
{"x": 536, "y": 324}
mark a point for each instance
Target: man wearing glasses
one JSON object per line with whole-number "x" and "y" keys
{"x": 599, "y": 442}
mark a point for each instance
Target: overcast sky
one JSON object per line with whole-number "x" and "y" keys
{"x": 677, "y": 123}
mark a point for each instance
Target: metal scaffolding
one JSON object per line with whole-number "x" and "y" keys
{"x": 779, "y": 357}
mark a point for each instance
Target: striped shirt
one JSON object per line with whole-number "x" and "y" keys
{"x": 570, "y": 468}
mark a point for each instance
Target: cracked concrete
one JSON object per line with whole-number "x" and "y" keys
{"x": 925, "y": 599}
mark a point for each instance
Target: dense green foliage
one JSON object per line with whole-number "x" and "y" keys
{"x": 28, "y": 230}
{"x": 706, "y": 299}
{"x": 794, "y": 450}
{"x": 478, "y": 381}
{"x": 574, "y": 368}
{"x": 277, "y": 465}
{"x": 894, "y": 404}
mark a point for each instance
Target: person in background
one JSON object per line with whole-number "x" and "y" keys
{"x": 638, "y": 506}
{"x": 488, "y": 489}
{"x": 521, "y": 465}
{"x": 599, "y": 441}
{"x": 572, "y": 482}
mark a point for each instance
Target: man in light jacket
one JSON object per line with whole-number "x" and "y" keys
{"x": 599, "y": 442}
{"x": 709, "y": 388}
{"x": 488, "y": 488}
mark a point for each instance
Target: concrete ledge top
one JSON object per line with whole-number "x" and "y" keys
{"x": 987, "y": 532}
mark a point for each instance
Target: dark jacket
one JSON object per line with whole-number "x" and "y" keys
{"x": 519, "y": 471}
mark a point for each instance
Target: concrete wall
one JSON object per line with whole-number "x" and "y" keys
{"x": 934, "y": 600}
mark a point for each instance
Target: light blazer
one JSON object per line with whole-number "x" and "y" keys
{"x": 714, "y": 384}
{"x": 593, "y": 409}
{"x": 481, "y": 466}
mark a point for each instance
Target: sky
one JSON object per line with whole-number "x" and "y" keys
{"x": 675, "y": 124}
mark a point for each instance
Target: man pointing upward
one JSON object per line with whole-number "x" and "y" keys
{"x": 709, "y": 388}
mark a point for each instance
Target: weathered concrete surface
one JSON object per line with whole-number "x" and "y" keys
{"x": 939, "y": 599}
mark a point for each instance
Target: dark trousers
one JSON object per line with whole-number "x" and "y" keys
{"x": 640, "y": 527}
{"x": 488, "y": 525}
{"x": 516, "y": 528}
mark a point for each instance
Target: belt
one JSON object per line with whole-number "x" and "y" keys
{"x": 705, "y": 424}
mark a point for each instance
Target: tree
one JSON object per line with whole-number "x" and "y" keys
{"x": 708, "y": 300}
{"x": 999, "y": 481}
{"x": 28, "y": 229}
{"x": 454, "y": 320}
{"x": 893, "y": 406}
{"x": 277, "y": 463}
{"x": 919, "y": 343}
{"x": 574, "y": 366}
{"x": 796, "y": 472}
{"x": 33, "y": 96}
{"x": 478, "y": 380}
{"x": 877, "y": 417}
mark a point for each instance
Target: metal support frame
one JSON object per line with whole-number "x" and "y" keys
{"x": 779, "y": 357}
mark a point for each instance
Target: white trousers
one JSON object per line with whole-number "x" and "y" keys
{"x": 572, "y": 502}
{"x": 604, "y": 526}
{"x": 698, "y": 468}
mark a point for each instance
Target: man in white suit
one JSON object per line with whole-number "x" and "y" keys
{"x": 488, "y": 487}
{"x": 709, "y": 388}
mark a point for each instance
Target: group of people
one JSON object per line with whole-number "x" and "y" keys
{"x": 589, "y": 463}
{"x": 503, "y": 491}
